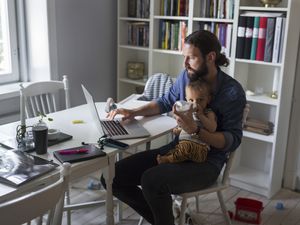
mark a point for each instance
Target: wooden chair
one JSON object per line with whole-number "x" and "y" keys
{"x": 34, "y": 205}
{"x": 221, "y": 184}
{"x": 41, "y": 96}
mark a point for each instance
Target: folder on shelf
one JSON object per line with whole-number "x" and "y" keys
{"x": 260, "y": 52}
{"x": 248, "y": 36}
{"x": 240, "y": 45}
{"x": 277, "y": 35}
{"x": 254, "y": 38}
{"x": 269, "y": 39}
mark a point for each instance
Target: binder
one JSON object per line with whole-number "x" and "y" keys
{"x": 254, "y": 38}
{"x": 248, "y": 36}
{"x": 240, "y": 45}
{"x": 260, "y": 52}
{"x": 269, "y": 39}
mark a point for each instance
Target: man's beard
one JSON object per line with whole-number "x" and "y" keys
{"x": 198, "y": 74}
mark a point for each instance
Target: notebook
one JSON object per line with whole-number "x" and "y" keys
{"x": 77, "y": 154}
{"x": 115, "y": 129}
{"x": 18, "y": 167}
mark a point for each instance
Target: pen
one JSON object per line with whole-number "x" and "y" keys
{"x": 73, "y": 151}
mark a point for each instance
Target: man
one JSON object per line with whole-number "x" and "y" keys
{"x": 202, "y": 58}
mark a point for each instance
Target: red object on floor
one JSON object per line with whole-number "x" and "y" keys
{"x": 248, "y": 210}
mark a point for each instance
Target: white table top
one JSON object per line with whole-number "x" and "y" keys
{"x": 86, "y": 132}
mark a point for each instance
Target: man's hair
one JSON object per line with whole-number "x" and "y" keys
{"x": 207, "y": 42}
{"x": 200, "y": 84}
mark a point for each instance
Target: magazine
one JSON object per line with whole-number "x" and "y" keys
{"x": 18, "y": 167}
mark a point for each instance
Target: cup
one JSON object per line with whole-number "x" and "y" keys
{"x": 40, "y": 137}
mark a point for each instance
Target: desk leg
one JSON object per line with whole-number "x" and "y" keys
{"x": 109, "y": 174}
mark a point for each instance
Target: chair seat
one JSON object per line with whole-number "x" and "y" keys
{"x": 218, "y": 186}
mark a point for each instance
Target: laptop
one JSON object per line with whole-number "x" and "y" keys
{"x": 115, "y": 129}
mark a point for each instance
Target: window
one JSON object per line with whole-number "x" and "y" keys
{"x": 9, "y": 66}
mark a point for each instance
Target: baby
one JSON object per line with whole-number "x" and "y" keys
{"x": 190, "y": 147}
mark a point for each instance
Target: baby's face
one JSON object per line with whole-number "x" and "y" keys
{"x": 197, "y": 97}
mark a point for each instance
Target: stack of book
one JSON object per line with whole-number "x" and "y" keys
{"x": 138, "y": 34}
{"x": 259, "y": 126}
{"x": 172, "y": 34}
{"x": 174, "y": 7}
{"x": 221, "y": 9}
{"x": 138, "y": 8}
{"x": 260, "y": 36}
{"x": 223, "y": 31}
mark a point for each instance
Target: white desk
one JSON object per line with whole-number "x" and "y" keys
{"x": 88, "y": 133}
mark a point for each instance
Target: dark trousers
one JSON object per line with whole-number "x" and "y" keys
{"x": 147, "y": 187}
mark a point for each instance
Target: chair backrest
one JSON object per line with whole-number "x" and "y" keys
{"x": 225, "y": 177}
{"x": 157, "y": 85}
{"x": 41, "y": 96}
{"x": 48, "y": 200}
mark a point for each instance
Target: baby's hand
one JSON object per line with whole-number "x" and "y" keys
{"x": 177, "y": 130}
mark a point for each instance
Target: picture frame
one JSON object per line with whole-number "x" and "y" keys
{"x": 135, "y": 70}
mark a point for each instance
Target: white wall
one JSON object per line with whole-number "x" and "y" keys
{"x": 86, "y": 32}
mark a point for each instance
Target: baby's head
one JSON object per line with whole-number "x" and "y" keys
{"x": 198, "y": 92}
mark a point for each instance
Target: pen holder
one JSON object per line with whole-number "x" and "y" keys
{"x": 40, "y": 137}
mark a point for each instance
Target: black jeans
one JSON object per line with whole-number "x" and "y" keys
{"x": 153, "y": 200}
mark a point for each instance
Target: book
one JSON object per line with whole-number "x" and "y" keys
{"x": 240, "y": 44}
{"x": 78, "y": 154}
{"x": 254, "y": 38}
{"x": 131, "y": 9}
{"x": 260, "y": 51}
{"x": 18, "y": 167}
{"x": 248, "y": 36}
{"x": 269, "y": 39}
{"x": 277, "y": 35}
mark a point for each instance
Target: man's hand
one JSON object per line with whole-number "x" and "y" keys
{"x": 185, "y": 120}
{"x": 128, "y": 114}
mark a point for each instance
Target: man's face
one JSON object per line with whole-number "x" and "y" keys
{"x": 194, "y": 63}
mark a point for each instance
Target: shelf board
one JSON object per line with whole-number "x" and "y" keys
{"x": 134, "y": 47}
{"x": 139, "y": 82}
{"x": 260, "y": 137}
{"x": 217, "y": 20}
{"x": 171, "y": 17}
{"x": 173, "y": 52}
{"x": 258, "y": 62}
{"x": 263, "y": 99}
{"x": 250, "y": 176}
{"x": 135, "y": 19}
{"x": 265, "y": 9}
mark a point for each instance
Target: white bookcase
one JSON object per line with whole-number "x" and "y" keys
{"x": 260, "y": 160}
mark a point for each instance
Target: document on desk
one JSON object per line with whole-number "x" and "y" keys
{"x": 18, "y": 167}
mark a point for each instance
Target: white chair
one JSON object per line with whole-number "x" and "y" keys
{"x": 34, "y": 205}
{"x": 41, "y": 96}
{"x": 221, "y": 184}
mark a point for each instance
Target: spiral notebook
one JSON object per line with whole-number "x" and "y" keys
{"x": 18, "y": 167}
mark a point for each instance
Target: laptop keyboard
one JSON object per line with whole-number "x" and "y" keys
{"x": 113, "y": 127}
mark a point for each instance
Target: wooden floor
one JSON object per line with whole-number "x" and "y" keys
{"x": 290, "y": 215}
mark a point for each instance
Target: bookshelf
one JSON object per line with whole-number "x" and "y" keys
{"x": 259, "y": 163}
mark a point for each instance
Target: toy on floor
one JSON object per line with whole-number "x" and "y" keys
{"x": 248, "y": 210}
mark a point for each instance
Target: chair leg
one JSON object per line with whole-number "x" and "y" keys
{"x": 141, "y": 220}
{"x": 223, "y": 207}
{"x": 197, "y": 204}
{"x": 68, "y": 203}
{"x": 182, "y": 211}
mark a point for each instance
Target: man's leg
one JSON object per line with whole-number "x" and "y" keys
{"x": 128, "y": 173}
{"x": 158, "y": 183}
